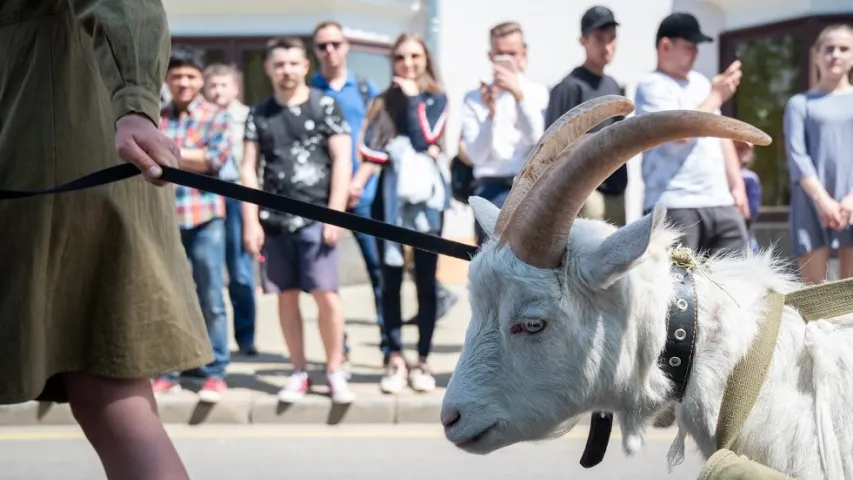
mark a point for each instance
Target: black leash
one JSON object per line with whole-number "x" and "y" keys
{"x": 349, "y": 221}
{"x": 601, "y": 423}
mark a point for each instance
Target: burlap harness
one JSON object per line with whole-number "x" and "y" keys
{"x": 826, "y": 300}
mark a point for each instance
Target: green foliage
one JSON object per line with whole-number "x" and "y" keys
{"x": 771, "y": 72}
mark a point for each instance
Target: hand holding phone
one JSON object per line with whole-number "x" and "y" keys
{"x": 505, "y": 73}
{"x": 506, "y": 61}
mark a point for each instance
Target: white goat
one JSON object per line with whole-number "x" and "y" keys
{"x": 568, "y": 316}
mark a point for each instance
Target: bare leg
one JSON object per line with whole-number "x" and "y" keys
{"x": 291, "y": 326}
{"x": 814, "y": 265}
{"x": 845, "y": 262}
{"x": 331, "y": 323}
{"x": 119, "y": 417}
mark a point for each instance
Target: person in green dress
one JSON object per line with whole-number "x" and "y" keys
{"x": 96, "y": 295}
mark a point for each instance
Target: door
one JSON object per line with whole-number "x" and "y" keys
{"x": 777, "y": 64}
{"x": 773, "y": 58}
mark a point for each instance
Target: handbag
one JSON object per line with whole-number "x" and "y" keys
{"x": 461, "y": 180}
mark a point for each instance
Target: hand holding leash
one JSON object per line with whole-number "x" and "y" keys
{"x": 140, "y": 142}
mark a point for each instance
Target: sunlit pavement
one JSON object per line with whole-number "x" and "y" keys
{"x": 393, "y": 452}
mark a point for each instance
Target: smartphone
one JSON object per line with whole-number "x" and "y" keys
{"x": 506, "y": 61}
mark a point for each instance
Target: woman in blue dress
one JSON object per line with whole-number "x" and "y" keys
{"x": 819, "y": 145}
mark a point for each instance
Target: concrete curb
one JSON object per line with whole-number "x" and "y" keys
{"x": 247, "y": 407}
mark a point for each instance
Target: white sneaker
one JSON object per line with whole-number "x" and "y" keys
{"x": 296, "y": 387}
{"x": 339, "y": 388}
{"x": 421, "y": 380}
{"x": 394, "y": 380}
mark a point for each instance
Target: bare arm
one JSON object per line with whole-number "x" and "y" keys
{"x": 732, "y": 164}
{"x": 463, "y": 153}
{"x": 735, "y": 178}
{"x": 722, "y": 88}
{"x": 249, "y": 178}
{"x": 194, "y": 160}
{"x": 215, "y": 153}
{"x": 340, "y": 148}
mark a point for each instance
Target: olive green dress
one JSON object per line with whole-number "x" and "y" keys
{"x": 96, "y": 280}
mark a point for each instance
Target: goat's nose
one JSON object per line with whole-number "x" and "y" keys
{"x": 450, "y": 416}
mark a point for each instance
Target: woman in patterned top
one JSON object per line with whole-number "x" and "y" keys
{"x": 410, "y": 114}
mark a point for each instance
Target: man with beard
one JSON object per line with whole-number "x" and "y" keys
{"x": 305, "y": 142}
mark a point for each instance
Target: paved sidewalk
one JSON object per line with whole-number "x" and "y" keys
{"x": 254, "y": 381}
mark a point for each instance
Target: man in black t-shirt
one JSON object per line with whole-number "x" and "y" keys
{"x": 586, "y": 82}
{"x": 304, "y": 140}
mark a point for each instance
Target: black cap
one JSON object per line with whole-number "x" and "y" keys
{"x": 595, "y": 18}
{"x": 682, "y": 25}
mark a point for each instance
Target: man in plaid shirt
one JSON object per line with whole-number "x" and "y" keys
{"x": 200, "y": 129}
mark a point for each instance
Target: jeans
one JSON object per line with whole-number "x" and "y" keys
{"x": 205, "y": 247}
{"x": 241, "y": 276}
{"x": 495, "y": 192}
{"x": 426, "y": 264}
{"x": 370, "y": 253}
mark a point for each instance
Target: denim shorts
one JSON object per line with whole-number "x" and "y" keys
{"x": 299, "y": 261}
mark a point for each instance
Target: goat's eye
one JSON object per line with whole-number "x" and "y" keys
{"x": 529, "y": 325}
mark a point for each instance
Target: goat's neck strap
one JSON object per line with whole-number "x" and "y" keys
{"x": 676, "y": 359}
{"x": 682, "y": 318}
{"x": 748, "y": 377}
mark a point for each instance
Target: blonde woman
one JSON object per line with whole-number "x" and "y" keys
{"x": 819, "y": 144}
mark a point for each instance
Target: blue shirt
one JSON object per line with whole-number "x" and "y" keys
{"x": 350, "y": 100}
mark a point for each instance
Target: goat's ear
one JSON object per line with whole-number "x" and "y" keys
{"x": 485, "y": 212}
{"x": 622, "y": 250}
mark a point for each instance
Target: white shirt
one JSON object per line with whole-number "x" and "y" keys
{"x": 498, "y": 147}
{"x": 681, "y": 175}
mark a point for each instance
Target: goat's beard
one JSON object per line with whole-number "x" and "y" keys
{"x": 563, "y": 428}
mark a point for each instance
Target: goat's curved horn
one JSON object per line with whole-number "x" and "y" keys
{"x": 538, "y": 233}
{"x": 561, "y": 135}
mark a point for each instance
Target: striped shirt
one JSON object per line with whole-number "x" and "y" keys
{"x": 201, "y": 125}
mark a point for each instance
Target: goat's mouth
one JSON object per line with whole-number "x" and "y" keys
{"x": 477, "y": 443}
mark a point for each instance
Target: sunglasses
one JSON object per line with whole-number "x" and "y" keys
{"x": 398, "y": 57}
{"x": 323, "y": 46}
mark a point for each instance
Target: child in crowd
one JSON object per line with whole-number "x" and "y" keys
{"x": 753, "y": 188}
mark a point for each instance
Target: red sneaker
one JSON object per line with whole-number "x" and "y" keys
{"x": 212, "y": 390}
{"x": 162, "y": 385}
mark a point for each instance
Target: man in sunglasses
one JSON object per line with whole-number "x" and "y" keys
{"x": 353, "y": 94}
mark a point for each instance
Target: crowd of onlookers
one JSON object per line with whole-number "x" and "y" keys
{"x": 340, "y": 141}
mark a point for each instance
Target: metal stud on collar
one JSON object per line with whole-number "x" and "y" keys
{"x": 675, "y": 361}
{"x": 680, "y": 334}
{"x": 682, "y": 304}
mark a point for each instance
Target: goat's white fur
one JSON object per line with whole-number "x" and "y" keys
{"x": 605, "y": 309}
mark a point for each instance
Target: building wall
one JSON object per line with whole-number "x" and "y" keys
{"x": 552, "y": 33}
{"x": 372, "y": 20}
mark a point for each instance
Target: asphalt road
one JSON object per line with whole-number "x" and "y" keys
{"x": 351, "y": 453}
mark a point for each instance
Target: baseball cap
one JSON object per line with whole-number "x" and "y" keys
{"x": 595, "y": 18}
{"x": 682, "y": 25}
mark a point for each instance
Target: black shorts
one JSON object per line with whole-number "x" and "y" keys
{"x": 299, "y": 261}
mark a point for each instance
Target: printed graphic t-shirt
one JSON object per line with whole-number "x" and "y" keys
{"x": 293, "y": 144}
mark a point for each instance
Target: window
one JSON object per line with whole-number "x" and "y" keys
{"x": 777, "y": 63}
{"x": 247, "y": 54}
{"x": 371, "y": 64}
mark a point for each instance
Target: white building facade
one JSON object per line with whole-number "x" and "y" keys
{"x": 772, "y": 37}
